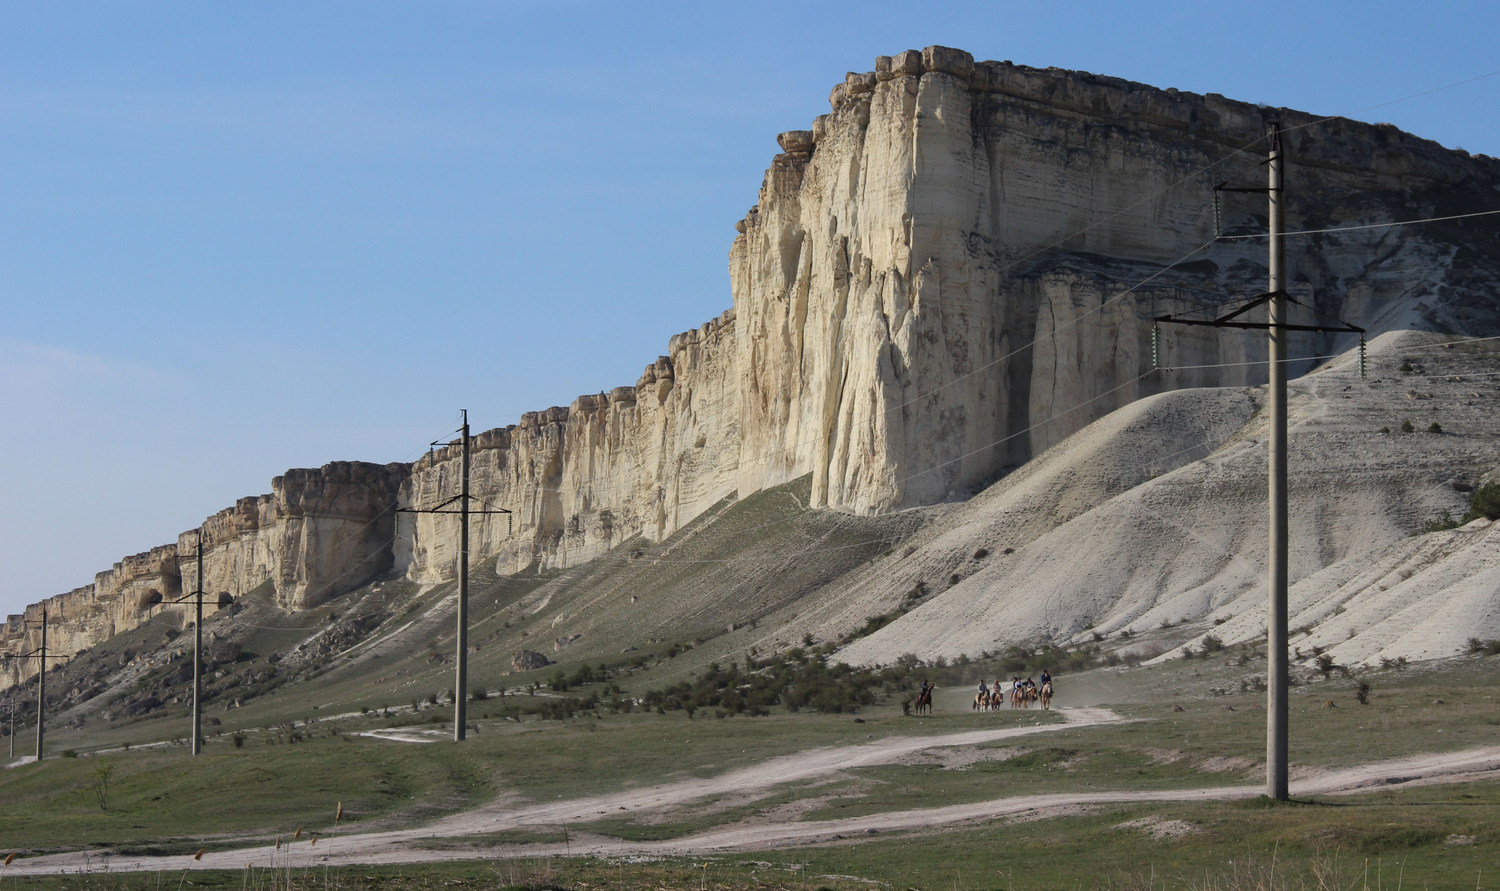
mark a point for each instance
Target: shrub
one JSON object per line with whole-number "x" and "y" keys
{"x": 1485, "y": 502}
{"x": 1406, "y": 427}
{"x": 100, "y": 784}
{"x": 1440, "y": 523}
{"x": 1479, "y": 647}
{"x": 1362, "y": 693}
{"x": 1435, "y": 427}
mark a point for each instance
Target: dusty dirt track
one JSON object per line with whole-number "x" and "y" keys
{"x": 404, "y": 846}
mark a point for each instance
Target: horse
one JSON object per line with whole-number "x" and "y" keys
{"x": 924, "y": 700}
{"x": 1017, "y": 694}
{"x": 1045, "y": 694}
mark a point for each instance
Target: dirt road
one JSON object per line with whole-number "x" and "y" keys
{"x": 403, "y": 846}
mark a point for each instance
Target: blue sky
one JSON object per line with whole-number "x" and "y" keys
{"x": 237, "y": 238}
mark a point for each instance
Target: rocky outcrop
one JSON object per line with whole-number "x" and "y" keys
{"x": 953, "y": 269}
{"x": 120, "y": 598}
{"x": 946, "y": 277}
{"x": 634, "y": 462}
{"x": 319, "y": 533}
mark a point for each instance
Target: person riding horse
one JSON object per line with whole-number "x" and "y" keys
{"x": 924, "y": 697}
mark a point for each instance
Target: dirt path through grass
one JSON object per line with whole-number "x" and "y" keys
{"x": 407, "y": 846}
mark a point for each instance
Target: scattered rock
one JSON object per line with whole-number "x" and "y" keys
{"x": 529, "y": 660}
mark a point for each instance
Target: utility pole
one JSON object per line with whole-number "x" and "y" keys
{"x": 40, "y": 654}
{"x": 198, "y": 653}
{"x": 41, "y": 687}
{"x": 1277, "y": 325}
{"x": 1277, "y": 665}
{"x": 197, "y": 597}
{"x": 461, "y": 679}
{"x": 461, "y": 674}
{"x": 15, "y": 681}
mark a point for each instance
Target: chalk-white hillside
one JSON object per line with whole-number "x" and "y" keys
{"x": 1156, "y": 516}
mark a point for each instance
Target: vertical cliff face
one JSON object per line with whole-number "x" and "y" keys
{"x": 953, "y": 269}
{"x": 319, "y": 533}
{"x": 636, "y": 461}
{"x": 933, "y": 284}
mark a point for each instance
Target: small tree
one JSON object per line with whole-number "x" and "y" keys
{"x": 100, "y": 785}
{"x": 1485, "y": 502}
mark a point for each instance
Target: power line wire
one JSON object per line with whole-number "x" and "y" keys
{"x": 1460, "y": 216}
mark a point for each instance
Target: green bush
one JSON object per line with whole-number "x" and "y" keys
{"x": 1442, "y": 522}
{"x": 1485, "y": 502}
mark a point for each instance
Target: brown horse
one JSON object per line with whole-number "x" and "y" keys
{"x": 924, "y": 699}
{"x": 1045, "y": 694}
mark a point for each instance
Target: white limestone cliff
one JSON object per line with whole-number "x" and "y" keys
{"x": 953, "y": 269}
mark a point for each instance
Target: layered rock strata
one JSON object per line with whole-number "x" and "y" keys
{"x": 317, "y": 534}
{"x": 953, "y": 269}
{"x": 936, "y": 280}
{"x": 634, "y": 462}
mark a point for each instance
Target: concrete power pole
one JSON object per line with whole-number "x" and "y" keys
{"x": 461, "y": 674}
{"x": 198, "y": 653}
{"x": 461, "y": 679}
{"x": 1277, "y": 665}
{"x": 41, "y": 686}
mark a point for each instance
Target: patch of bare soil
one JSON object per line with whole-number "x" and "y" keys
{"x": 1159, "y": 829}
{"x": 959, "y": 757}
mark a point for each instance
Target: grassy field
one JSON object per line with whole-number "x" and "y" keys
{"x": 292, "y": 775}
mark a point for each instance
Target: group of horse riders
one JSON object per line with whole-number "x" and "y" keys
{"x": 1023, "y": 692}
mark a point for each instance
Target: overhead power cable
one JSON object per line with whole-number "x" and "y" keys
{"x": 1460, "y": 216}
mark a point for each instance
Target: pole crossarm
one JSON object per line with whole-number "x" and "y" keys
{"x": 442, "y": 508}
{"x": 36, "y": 654}
{"x": 1227, "y": 321}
